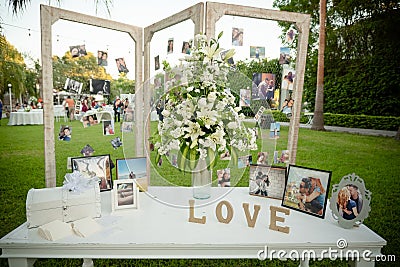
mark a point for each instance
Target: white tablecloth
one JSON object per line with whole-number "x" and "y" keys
{"x": 101, "y": 115}
{"x": 23, "y": 118}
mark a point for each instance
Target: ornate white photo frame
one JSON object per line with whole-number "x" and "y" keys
{"x": 347, "y": 218}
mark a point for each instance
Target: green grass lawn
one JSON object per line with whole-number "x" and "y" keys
{"x": 375, "y": 159}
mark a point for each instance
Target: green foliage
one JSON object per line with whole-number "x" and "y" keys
{"x": 362, "y": 121}
{"x": 361, "y": 55}
{"x": 80, "y": 69}
{"x": 262, "y": 66}
{"x": 122, "y": 85}
{"x": 12, "y": 69}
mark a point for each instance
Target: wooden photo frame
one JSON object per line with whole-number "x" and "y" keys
{"x": 125, "y": 194}
{"x": 95, "y": 166}
{"x": 350, "y": 201}
{"x": 267, "y": 181}
{"x": 306, "y": 190}
{"x": 133, "y": 168}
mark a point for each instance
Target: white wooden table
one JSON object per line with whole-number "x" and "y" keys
{"x": 34, "y": 116}
{"x": 159, "y": 228}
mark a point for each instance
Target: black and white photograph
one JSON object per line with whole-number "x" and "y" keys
{"x": 125, "y": 194}
{"x": 267, "y": 181}
{"x": 95, "y": 166}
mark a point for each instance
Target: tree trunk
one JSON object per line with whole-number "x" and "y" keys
{"x": 397, "y": 137}
{"x": 318, "y": 121}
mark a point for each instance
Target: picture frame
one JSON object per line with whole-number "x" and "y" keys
{"x": 262, "y": 158}
{"x": 224, "y": 177}
{"x": 133, "y": 168}
{"x": 244, "y": 161}
{"x": 273, "y": 183}
{"x": 92, "y": 166}
{"x": 108, "y": 127}
{"x": 127, "y": 127}
{"x": 125, "y": 194}
{"x": 306, "y": 190}
{"x": 89, "y": 120}
{"x": 350, "y": 201}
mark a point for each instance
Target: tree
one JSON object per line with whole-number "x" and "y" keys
{"x": 318, "y": 121}
{"x": 80, "y": 69}
{"x": 122, "y": 85}
{"x": 12, "y": 69}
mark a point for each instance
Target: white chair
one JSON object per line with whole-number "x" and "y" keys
{"x": 60, "y": 112}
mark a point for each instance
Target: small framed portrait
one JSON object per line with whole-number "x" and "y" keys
{"x": 186, "y": 47}
{"x": 262, "y": 158}
{"x": 257, "y": 52}
{"x": 267, "y": 181}
{"x": 157, "y": 62}
{"x": 95, "y": 166}
{"x": 133, "y": 168}
{"x": 237, "y": 36}
{"x": 225, "y": 156}
{"x": 306, "y": 190}
{"x": 121, "y": 65}
{"x": 290, "y": 35}
{"x": 102, "y": 58}
{"x": 125, "y": 194}
{"x": 170, "y": 48}
{"x": 274, "y": 130}
{"x": 284, "y": 158}
{"x": 108, "y": 128}
{"x": 245, "y": 98}
{"x": 89, "y": 120}
{"x": 350, "y": 201}
{"x": 244, "y": 161}
{"x": 284, "y": 56}
{"x": 65, "y": 133}
{"x": 127, "y": 127}
{"x": 224, "y": 177}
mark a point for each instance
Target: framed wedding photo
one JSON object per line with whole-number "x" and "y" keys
{"x": 125, "y": 194}
{"x": 350, "y": 201}
{"x": 92, "y": 166}
{"x": 133, "y": 168}
{"x": 306, "y": 190}
{"x": 267, "y": 181}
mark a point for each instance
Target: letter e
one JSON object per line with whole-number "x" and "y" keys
{"x": 275, "y": 218}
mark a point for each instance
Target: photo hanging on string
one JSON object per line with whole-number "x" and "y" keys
{"x": 121, "y": 65}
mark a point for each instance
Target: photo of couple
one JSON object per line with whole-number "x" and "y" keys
{"x": 306, "y": 190}
{"x": 349, "y": 202}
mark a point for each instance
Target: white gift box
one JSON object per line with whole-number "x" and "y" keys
{"x": 49, "y": 204}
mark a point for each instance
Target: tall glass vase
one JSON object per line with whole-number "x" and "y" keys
{"x": 201, "y": 180}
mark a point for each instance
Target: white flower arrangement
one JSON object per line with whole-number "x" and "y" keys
{"x": 200, "y": 117}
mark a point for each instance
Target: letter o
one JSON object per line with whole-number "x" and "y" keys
{"x": 229, "y": 209}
